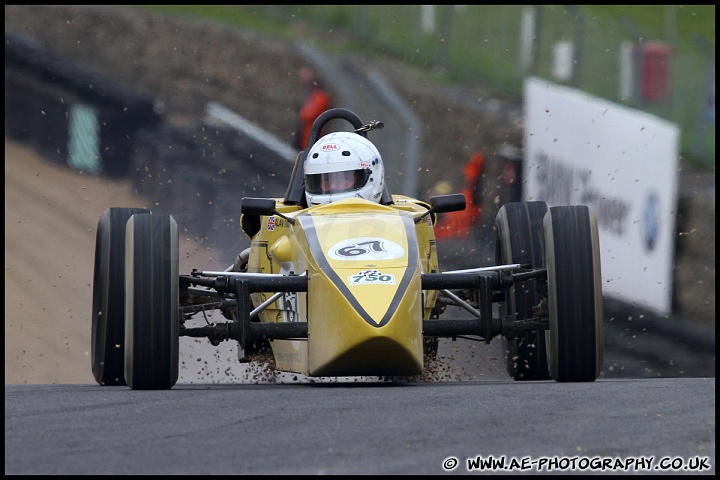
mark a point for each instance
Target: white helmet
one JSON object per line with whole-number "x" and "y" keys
{"x": 343, "y": 165}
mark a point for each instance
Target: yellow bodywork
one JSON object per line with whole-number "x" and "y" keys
{"x": 364, "y": 305}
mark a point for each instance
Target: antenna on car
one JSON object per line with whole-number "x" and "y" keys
{"x": 375, "y": 124}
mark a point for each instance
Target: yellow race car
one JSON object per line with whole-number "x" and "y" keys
{"x": 349, "y": 288}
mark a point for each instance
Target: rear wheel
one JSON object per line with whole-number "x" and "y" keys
{"x": 152, "y": 302}
{"x": 572, "y": 258}
{"x": 108, "y": 315}
{"x": 519, "y": 232}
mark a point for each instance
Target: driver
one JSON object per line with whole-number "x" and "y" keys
{"x": 343, "y": 165}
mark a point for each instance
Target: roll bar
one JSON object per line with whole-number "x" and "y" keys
{"x": 295, "y": 193}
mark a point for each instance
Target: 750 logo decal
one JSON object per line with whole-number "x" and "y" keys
{"x": 371, "y": 277}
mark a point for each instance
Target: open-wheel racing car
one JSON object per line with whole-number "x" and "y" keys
{"x": 349, "y": 288}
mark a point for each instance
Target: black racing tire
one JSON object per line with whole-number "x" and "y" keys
{"x": 152, "y": 298}
{"x": 575, "y": 341}
{"x": 108, "y": 314}
{"x": 519, "y": 239}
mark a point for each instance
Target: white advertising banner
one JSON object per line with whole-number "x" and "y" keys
{"x": 623, "y": 164}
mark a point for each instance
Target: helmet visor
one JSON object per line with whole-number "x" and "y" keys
{"x": 336, "y": 182}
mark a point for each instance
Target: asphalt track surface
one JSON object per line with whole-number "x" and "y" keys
{"x": 354, "y": 428}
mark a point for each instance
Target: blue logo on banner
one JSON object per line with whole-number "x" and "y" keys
{"x": 651, "y": 221}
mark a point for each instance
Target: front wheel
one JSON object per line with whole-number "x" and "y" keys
{"x": 572, "y": 258}
{"x": 152, "y": 340}
{"x": 108, "y": 314}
